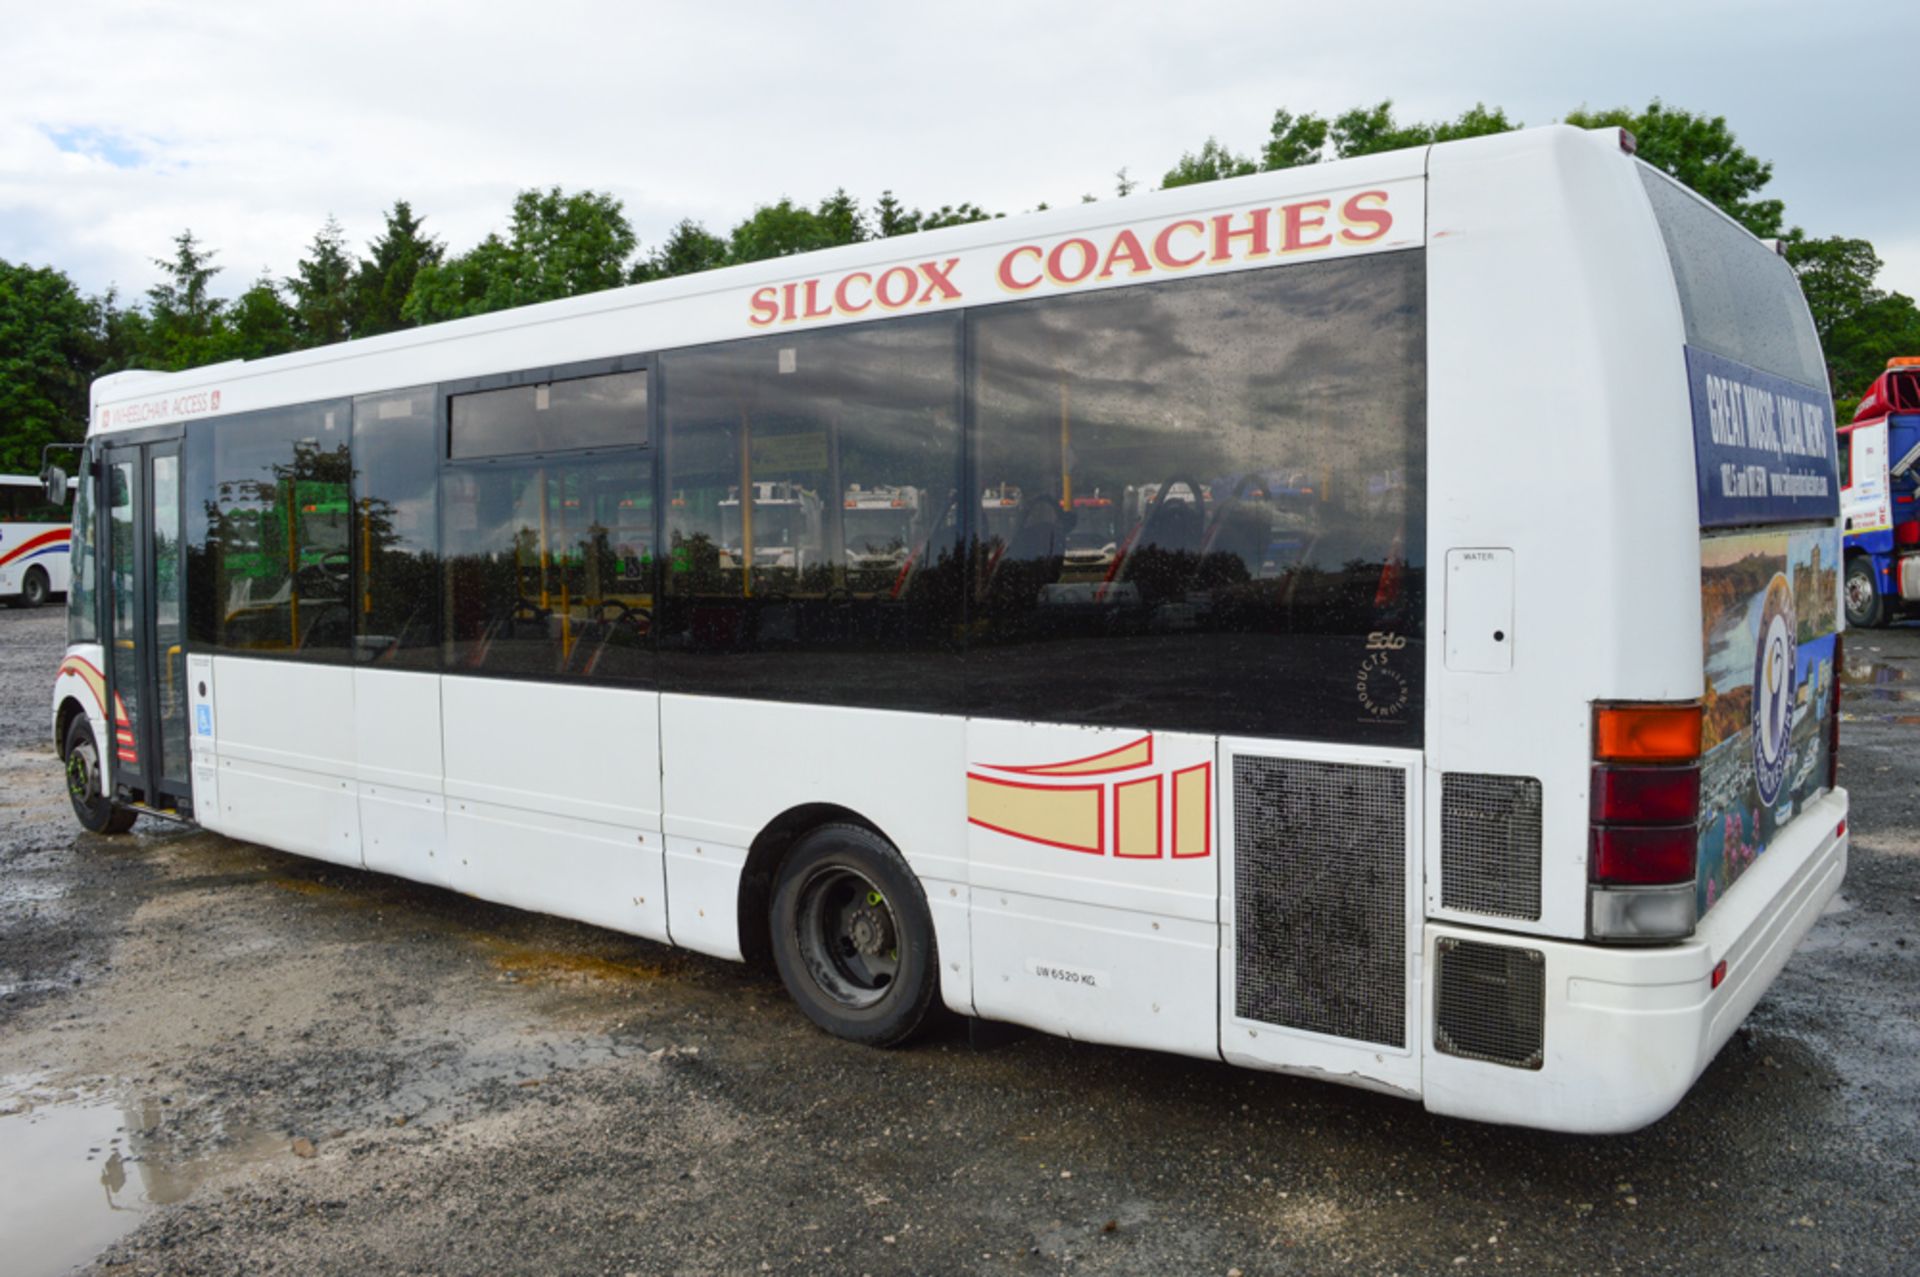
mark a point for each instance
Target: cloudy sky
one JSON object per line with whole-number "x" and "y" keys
{"x": 122, "y": 123}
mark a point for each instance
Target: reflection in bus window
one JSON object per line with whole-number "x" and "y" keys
{"x": 550, "y": 567}
{"x": 272, "y": 551}
{"x": 1200, "y": 500}
{"x": 395, "y": 540}
{"x": 812, "y": 520}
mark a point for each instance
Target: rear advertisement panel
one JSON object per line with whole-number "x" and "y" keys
{"x": 1770, "y": 609}
{"x": 1763, "y": 446}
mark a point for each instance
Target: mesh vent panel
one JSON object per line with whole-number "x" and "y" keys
{"x": 1320, "y": 890}
{"x": 1490, "y": 845}
{"x": 1492, "y": 1003}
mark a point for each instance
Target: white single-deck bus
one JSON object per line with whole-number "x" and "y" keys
{"x": 34, "y": 557}
{"x": 1374, "y": 621}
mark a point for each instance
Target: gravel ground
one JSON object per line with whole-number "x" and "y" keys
{"x": 215, "y": 1058}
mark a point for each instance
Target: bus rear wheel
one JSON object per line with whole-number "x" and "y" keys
{"x": 852, "y": 936}
{"x": 1866, "y": 607}
{"x": 35, "y": 590}
{"x": 91, "y": 806}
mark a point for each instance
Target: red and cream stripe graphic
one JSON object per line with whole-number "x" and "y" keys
{"x": 1154, "y": 813}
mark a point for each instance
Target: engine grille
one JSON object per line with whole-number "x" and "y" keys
{"x": 1490, "y": 845}
{"x": 1320, "y": 889}
{"x": 1492, "y": 1003}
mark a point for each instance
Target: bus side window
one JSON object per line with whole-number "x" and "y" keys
{"x": 1846, "y": 459}
{"x": 1184, "y": 522}
{"x": 395, "y": 502}
{"x": 812, "y": 486}
{"x": 270, "y": 551}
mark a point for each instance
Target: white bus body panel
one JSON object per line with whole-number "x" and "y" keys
{"x": 1116, "y": 944}
{"x": 553, "y": 799}
{"x": 732, "y": 767}
{"x": 1629, "y": 1030}
{"x": 399, "y": 770}
{"x": 71, "y": 683}
{"x": 1558, "y": 429}
{"x": 285, "y": 740}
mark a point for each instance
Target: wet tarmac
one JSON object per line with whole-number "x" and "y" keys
{"x": 215, "y": 1058}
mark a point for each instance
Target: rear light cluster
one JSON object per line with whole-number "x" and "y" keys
{"x": 1645, "y": 810}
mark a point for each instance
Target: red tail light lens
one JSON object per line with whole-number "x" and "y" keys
{"x": 1646, "y": 795}
{"x": 1649, "y": 857}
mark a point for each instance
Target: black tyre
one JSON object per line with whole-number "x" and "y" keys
{"x": 35, "y": 589}
{"x": 1866, "y": 606}
{"x": 852, "y": 936}
{"x": 91, "y": 807}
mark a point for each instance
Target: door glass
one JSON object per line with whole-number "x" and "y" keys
{"x": 124, "y": 631}
{"x": 169, "y": 632}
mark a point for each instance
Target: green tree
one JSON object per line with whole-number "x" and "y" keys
{"x": 45, "y": 329}
{"x": 891, "y": 217}
{"x": 185, "y": 321}
{"x": 117, "y": 337}
{"x": 473, "y": 283}
{"x": 1208, "y": 164}
{"x": 1860, "y": 325}
{"x": 783, "y": 228}
{"x": 1293, "y": 140}
{"x": 560, "y": 245}
{"x": 1368, "y": 130}
{"x": 1837, "y": 275}
{"x": 1700, "y": 151}
{"x": 322, "y": 288}
{"x": 385, "y": 276}
{"x": 1861, "y": 344}
{"x": 565, "y": 245}
{"x": 260, "y": 323}
{"x": 689, "y": 248}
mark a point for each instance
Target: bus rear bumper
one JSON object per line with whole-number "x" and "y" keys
{"x": 1628, "y": 1031}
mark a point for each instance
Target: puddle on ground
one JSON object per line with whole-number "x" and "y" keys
{"x": 1878, "y": 692}
{"x": 78, "y": 1171}
{"x": 526, "y": 962}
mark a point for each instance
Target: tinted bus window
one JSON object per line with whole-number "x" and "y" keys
{"x": 271, "y": 534}
{"x": 1200, "y": 504}
{"x": 550, "y": 567}
{"x": 1739, "y": 299}
{"x": 83, "y": 620}
{"x": 608, "y": 411}
{"x": 813, "y": 515}
{"x": 396, "y": 486}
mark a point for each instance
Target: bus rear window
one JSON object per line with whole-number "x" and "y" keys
{"x": 1739, "y": 299}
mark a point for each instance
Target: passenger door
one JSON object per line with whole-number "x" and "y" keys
{"x": 147, "y": 693}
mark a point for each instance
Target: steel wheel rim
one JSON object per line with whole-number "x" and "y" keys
{"x": 1859, "y": 593}
{"x": 848, "y": 936}
{"x": 83, "y": 770}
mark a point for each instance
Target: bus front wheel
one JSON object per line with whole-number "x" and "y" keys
{"x": 35, "y": 590}
{"x": 852, "y": 936}
{"x": 1866, "y": 607}
{"x": 91, "y": 806}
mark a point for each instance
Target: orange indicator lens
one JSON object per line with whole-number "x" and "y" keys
{"x": 1646, "y": 733}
